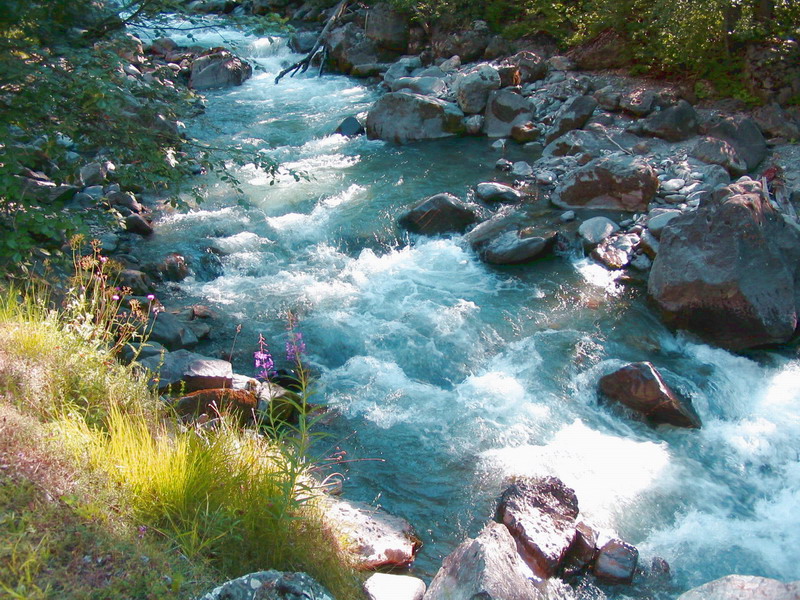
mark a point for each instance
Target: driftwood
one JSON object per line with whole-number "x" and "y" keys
{"x": 303, "y": 64}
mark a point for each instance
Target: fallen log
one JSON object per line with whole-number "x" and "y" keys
{"x": 303, "y": 64}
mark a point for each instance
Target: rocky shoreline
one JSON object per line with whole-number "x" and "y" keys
{"x": 697, "y": 203}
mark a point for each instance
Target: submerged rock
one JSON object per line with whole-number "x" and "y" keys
{"x": 516, "y": 247}
{"x": 540, "y": 513}
{"x": 639, "y": 386}
{"x": 487, "y": 567}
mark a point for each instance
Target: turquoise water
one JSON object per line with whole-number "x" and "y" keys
{"x": 458, "y": 375}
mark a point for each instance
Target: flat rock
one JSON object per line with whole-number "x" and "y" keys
{"x": 487, "y": 567}
{"x": 540, "y": 513}
{"x": 640, "y": 387}
{"x": 377, "y": 538}
{"x": 188, "y": 371}
{"x": 382, "y": 586}
{"x": 744, "y": 587}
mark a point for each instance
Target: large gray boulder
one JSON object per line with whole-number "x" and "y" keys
{"x": 719, "y": 152}
{"x": 403, "y": 117}
{"x": 168, "y": 330}
{"x": 744, "y": 587}
{"x": 730, "y": 271}
{"x": 640, "y": 387}
{"x": 572, "y": 115}
{"x": 403, "y": 67}
{"x": 269, "y": 585}
{"x": 744, "y": 135}
{"x": 348, "y": 46}
{"x": 441, "y": 213}
{"x": 487, "y": 567}
{"x": 473, "y": 87}
{"x": 595, "y": 230}
{"x": 504, "y": 110}
{"x": 540, "y": 513}
{"x": 188, "y": 372}
{"x": 387, "y": 27}
{"x": 674, "y": 124}
{"x": 217, "y": 70}
{"x": 517, "y": 247}
{"x": 532, "y": 67}
{"x": 616, "y": 182}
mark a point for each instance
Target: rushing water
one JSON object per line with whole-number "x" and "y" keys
{"x": 458, "y": 374}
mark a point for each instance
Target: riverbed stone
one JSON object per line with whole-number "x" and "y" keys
{"x": 583, "y": 551}
{"x": 426, "y": 86}
{"x": 376, "y": 538}
{"x": 239, "y": 404}
{"x": 504, "y": 110}
{"x": 595, "y": 230}
{"x": 440, "y": 213}
{"x": 491, "y": 191}
{"x": 744, "y": 587}
{"x": 532, "y": 67}
{"x": 540, "y": 513}
{"x": 572, "y": 115}
{"x": 487, "y": 567}
{"x": 730, "y": 270}
{"x": 616, "y": 251}
{"x": 719, "y": 152}
{"x": 657, "y": 219}
{"x": 403, "y": 67}
{"x": 383, "y": 586}
{"x": 640, "y": 387}
{"x": 775, "y": 122}
{"x": 518, "y": 246}
{"x": 269, "y": 585}
{"x": 187, "y": 371}
{"x": 136, "y": 223}
{"x": 350, "y": 127}
{"x": 617, "y": 182}
{"x": 349, "y": 46}
{"x": 218, "y": 69}
{"x": 639, "y": 102}
{"x": 402, "y": 117}
{"x": 580, "y": 142}
{"x": 167, "y": 329}
{"x": 674, "y": 124}
{"x": 473, "y": 87}
{"x": 616, "y": 561}
{"x": 743, "y": 135}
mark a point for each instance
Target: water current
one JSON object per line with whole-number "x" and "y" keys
{"x": 459, "y": 375}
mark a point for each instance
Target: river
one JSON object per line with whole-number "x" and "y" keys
{"x": 459, "y": 375}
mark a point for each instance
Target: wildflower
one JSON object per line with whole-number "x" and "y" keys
{"x": 265, "y": 365}
{"x": 295, "y": 347}
{"x": 151, "y": 297}
{"x": 115, "y": 297}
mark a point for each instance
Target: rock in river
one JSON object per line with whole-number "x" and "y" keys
{"x": 403, "y": 117}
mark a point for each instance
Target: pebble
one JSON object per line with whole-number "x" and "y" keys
{"x": 499, "y": 144}
{"x": 675, "y": 198}
{"x": 672, "y": 185}
{"x": 521, "y": 169}
{"x": 545, "y": 178}
{"x": 568, "y": 216}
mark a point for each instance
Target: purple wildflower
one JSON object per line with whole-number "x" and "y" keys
{"x": 295, "y": 347}
{"x": 265, "y": 366}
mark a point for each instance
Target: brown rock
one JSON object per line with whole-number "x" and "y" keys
{"x": 240, "y": 404}
{"x": 616, "y": 561}
{"x": 639, "y": 386}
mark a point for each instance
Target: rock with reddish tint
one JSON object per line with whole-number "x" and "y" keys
{"x": 616, "y": 251}
{"x": 136, "y": 281}
{"x": 640, "y": 387}
{"x": 532, "y": 67}
{"x": 441, "y": 213}
{"x": 730, "y": 271}
{"x": 173, "y": 268}
{"x": 138, "y": 224}
{"x": 583, "y": 551}
{"x": 487, "y": 567}
{"x": 744, "y": 587}
{"x": 376, "y": 538}
{"x": 540, "y": 513}
{"x": 616, "y": 182}
{"x": 616, "y": 561}
{"x": 241, "y": 404}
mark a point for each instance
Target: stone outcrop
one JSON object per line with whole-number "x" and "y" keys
{"x": 269, "y": 585}
{"x": 487, "y": 567}
{"x": 441, "y": 213}
{"x": 617, "y": 182}
{"x": 730, "y": 270}
{"x": 541, "y": 515}
{"x": 403, "y": 117}
{"x": 377, "y": 538}
{"x": 744, "y": 587}
{"x": 472, "y": 88}
{"x": 218, "y": 69}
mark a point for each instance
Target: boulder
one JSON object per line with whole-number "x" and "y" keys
{"x": 382, "y": 586}
{"x": 504, "y": 110}
{"x": 136, "y": 281}
{"x": 516, "y": 247}
{"x": 377, "y": 538}
{"x": 607, "y": 50}
{"x": 93, "y": 173}
{"x": 45, "y": 191}
{"x": 349, "y": 46}
{"x": 138, "y": 224}
{"x": 616, "y": 251}
{"x": 125, "y": 199}
{"x": 525, "y": 132}
{"x": 744, "y": 587}
{"x": 616, "y": 182}
{"x": 504, "y": 221}
{"x": 775, "y": 122}
{"x": 490, "y": 191}
{"x": 572, "y": 115}
{"x": 469, "y": 45}
{"x": 639, "y": 103}
{"x": 532, "y": 67}
{"x": 426, "y": 86}
{"x": 269, "y": 585}
{"x": 241, "y": 404}
{"x": 583, "y": 551}
{"x": 403, "y": 117}
{"x": 487, "y": 567}
{"x": 674, "y": 124}
{"x": 608, "y": 98}
{"x": 404, "y": 67}
{"x": 719, "y": 152}
{"x": 540, "y": 513}
{"x": 162, "y": 46}
{"x": 302, "y": 42}
{"x": 387, "y": 27}
{"x": 743, "y": 135}
{"x": 730, "y": 271}
{"x": 165, "y": 328}
{"x": 616, "y": 562}
{"x": 472, "y": 88}
{"x": 640, "y": 387}
{"x": 579, "y": 142}
{"x": 188, "y": 371}
{"x": 350, "y": 127}
{"x": 441, "y": 213}
{"x": 595, "y": 230}
{"x": 217, "y": 70}
{"x": 659, "y": 218}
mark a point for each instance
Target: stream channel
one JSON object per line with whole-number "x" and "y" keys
{"x": 459, "y": 374}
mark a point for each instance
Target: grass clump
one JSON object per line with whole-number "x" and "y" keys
{"x": 138, "y": 503}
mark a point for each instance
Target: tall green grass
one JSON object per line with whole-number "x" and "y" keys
{"x": 231, "y": 499}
